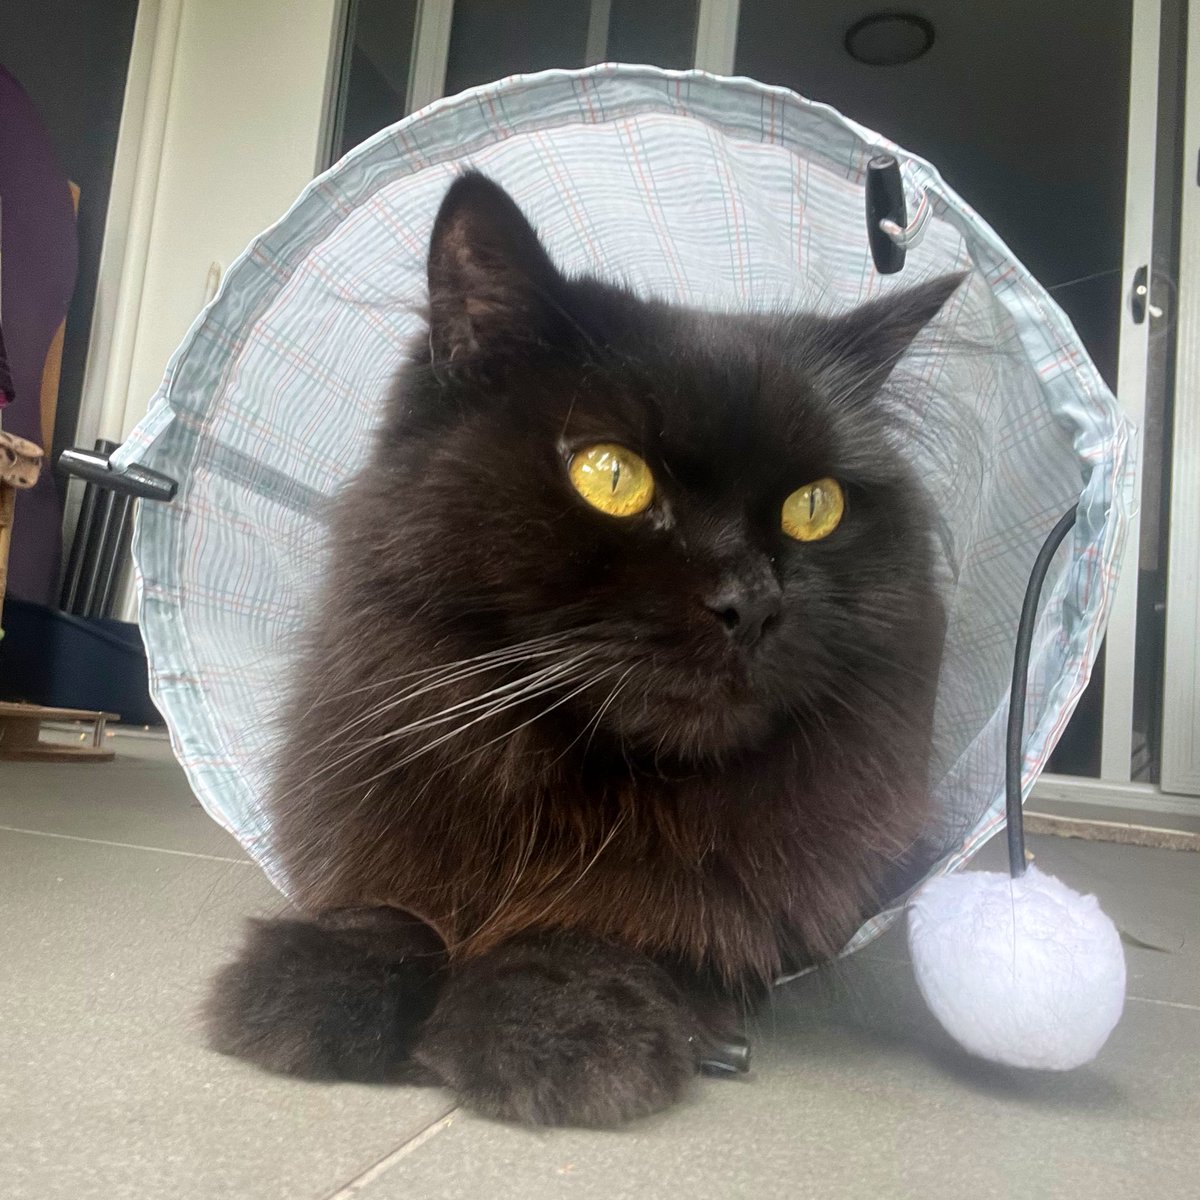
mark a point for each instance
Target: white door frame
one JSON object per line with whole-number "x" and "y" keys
{"x": 1181, "y": 657}
{"x": 599, "y": 17}
{"x": 716, "y": 36}
{"x": 431, "y": 51}
{"x": 106, "y": 404}
{"x": 1116, "y": 745}
{"x": 1180, "y": 758}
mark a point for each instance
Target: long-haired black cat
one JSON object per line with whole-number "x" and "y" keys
{"x": 618, "y": 699}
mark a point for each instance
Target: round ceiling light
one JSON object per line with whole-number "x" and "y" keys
{"x": 889, "y": 39}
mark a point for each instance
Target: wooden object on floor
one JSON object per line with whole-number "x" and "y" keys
{"x": 20, "y": 729}
{"x": 20, "y": 466}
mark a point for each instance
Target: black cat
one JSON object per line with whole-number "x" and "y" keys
{"x": 619, "y": 697}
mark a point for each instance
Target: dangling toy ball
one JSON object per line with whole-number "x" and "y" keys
{"x": 1019, "y": 968}
{"x": 1021, "y": 971}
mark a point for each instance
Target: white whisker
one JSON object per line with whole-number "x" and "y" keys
{"x": 457, "y": 677}
{"x": 452, "y": 672}
{"x": 512, "y": 693}
{"x": 512, "y": 703}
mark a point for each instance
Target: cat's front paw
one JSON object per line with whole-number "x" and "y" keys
{"x": 341, "y": 997}
{"x": 562, "y": 1030}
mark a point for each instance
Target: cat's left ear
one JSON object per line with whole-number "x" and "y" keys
{"x": 870, "y": 340}
{"x": 492, "y": 286}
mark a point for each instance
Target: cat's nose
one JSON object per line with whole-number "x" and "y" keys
{"x": 747, "y": 608}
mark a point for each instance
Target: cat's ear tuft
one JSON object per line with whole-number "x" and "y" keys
{"x": 870, "y": 340}
{"x": 491, "y": 283}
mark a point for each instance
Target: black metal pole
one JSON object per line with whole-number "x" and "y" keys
{"x": 98, "y": 541}
{"x": 73, "y": 581}
{"x": 113, "y": 556}
{"x": 74, "y": 575}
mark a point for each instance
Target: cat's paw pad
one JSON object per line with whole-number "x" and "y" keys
{"x": 592, "y": 1042}
{"x": 342, "y": 998}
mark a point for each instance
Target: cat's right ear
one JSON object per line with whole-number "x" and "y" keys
{"x": 492, "y": 286}
{"x": 862, "y": 347}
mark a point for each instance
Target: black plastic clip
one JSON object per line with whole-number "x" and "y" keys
{"x": 728, "y": 1057}
{"x": 885, "y": 202}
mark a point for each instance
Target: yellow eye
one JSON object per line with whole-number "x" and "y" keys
{"x": 612, "y": 479}
{"x": 814, "y": 511}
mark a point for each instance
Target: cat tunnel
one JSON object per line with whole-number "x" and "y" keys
{"x": 722, "y": 193}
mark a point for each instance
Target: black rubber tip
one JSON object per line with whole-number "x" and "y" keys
{"x": 728, "y": 1057}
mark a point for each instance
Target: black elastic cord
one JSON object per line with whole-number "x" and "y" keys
{"x": 1014, "y": 747}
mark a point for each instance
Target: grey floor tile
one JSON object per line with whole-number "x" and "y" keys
{"x": 106, "y": 1087}
{"x": 858, "y": 1095}
{"x": 140, "y": 798}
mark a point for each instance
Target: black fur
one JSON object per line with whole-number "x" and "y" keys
{"x": 342, "y": 997}
{"x": 669, "y": 813}
{"x": 559, "y": 1029}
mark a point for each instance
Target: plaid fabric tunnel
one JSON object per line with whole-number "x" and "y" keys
{"x": 723, "y": 193}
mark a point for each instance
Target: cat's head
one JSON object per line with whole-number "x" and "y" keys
{"x": 704, "y": 516}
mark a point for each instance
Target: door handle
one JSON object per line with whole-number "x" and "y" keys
{"x": 1139, "y": 295}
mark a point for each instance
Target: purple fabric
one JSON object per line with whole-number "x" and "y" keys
{"x": 7, "y": 389}
{"x": 38, "y": 261}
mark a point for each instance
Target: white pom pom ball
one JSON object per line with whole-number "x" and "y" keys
{"x": 1019, "y": 971}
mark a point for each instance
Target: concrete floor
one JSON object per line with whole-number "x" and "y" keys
{"x": 118, "y": 897}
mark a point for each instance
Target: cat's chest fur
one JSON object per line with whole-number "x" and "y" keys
{"x": 739, "y": 871}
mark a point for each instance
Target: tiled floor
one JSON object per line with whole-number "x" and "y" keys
{"x": 118, "y": 897}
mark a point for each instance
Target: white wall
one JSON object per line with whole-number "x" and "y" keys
{"x": 215, "y": 148}
{"x": 223, "y": 125}
{"x": 242, "y": 138}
